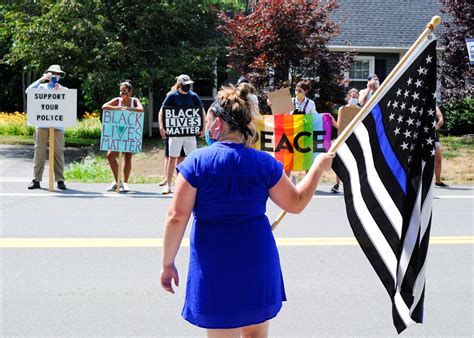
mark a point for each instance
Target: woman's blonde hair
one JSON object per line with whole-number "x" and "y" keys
{"x": 237, "y": 110}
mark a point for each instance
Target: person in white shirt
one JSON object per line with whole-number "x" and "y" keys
{"x": 303, "y": 104}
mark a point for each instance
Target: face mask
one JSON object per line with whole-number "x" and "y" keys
{"x": 207, "y": 135}
{"x": 300, "y": 96}
{"x": 54, "y": 80}
{"x": 353, "y": 101}
{"x": 377, "y": 84}
{"x": 186, "y": 88}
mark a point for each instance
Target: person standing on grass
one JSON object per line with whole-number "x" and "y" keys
{"x": 235, "y": 284}
{"x": 182, "y": 95}
{"x": 124, "y": 102}
{"x": 49, "y": 80}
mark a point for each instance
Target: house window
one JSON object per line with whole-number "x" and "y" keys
{"x": 361, "y": 68}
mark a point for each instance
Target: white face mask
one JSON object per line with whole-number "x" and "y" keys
{"x": 353, "y": 101}
{"x": 377, "y": 84}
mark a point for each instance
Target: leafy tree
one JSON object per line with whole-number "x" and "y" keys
{"x": 457, "y": 74}
{"x": 281, "y": 42}
{"x": 65, "y": 32}
{"x": 102, "y": 42}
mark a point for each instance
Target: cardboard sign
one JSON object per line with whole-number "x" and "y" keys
{"x": 281, "y": 101}
{"x": 294, "y": 140}
{"x": 347, "y": 114}
{"x": 122, "y": 131}
{"x": 182, "y": 120}
{"x": 52, "y": 108}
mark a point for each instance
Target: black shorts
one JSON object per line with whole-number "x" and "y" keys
{"x": 167, "y": 149}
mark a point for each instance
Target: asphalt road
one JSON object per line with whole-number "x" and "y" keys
{"x": 87, "y": 263}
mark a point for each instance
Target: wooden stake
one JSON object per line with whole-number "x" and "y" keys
{"x": 51, "y": 159}
{"x": 436, "y": 20}
{"x": 119, "y": 174}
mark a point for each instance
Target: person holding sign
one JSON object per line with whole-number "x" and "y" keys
{"x": 302, "y": 103}
{"x": 352, "y": 99}
{"x": 49, "y": 80}
{"x": 124, "y": 102}
{"x": 170, "y": 113}
{"x": 235, "y": 284}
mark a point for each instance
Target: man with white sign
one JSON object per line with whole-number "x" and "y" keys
{"x": 48, "y": 108}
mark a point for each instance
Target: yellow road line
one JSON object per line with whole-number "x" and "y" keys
{"x": 17, "y": 243}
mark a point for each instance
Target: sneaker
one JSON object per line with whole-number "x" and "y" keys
{"x": 335, "y": 188}
{"x": 166, "y": 190}
{"x": 34, "y": 185}
{"x": 124, "y": 186}
{"x": 441, "y": 184}
{"x": 61, "y": 185}
{"x": 112, "y": 187}
{"x": 162, "y": 183}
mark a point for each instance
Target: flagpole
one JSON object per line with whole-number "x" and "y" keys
{"x": 435, "y": 21}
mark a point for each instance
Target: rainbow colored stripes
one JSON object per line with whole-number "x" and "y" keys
{"x": 294, "y": 140}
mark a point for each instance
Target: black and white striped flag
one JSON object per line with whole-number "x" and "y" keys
{"x": 386, "y": 166}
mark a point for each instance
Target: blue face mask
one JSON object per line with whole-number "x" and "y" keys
{"x": 207, "y": 135}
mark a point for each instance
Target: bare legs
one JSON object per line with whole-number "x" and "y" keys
{"x": 438, "y": 164}
{"x": 251, "y": 331}
{"x": 127, "y": 168}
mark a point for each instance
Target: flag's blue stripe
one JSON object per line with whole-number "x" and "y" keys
{"x": 387, "y": 150}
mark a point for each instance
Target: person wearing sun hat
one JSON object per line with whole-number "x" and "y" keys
{"x": 49, "y": 80}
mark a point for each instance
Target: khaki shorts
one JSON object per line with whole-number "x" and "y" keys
{"x": 176, "y": 143}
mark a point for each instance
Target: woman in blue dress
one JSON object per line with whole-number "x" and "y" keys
{"x": 235, "y": 284}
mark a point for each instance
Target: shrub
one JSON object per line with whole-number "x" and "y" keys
{"x": 89, "y": 127}
{"x": 459, "y": 117}
{"x": 15, "y": 124}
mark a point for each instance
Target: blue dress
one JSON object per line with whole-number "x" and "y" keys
{"x": 234, "y": 276}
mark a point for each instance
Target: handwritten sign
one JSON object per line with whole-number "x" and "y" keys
{"x": 294, "y": 140}
{"x": 182, "y": 120}
{"x": 52, "y": 108}
{"x": 122, "y": 131}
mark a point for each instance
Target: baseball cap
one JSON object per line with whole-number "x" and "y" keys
{"x": 184, "y": 79}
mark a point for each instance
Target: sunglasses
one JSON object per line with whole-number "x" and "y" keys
{"x": 123, "y": 93}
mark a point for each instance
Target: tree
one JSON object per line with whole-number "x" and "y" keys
{"x": 457, "y": 74}
{"x": 102, "y": 42}
{"x": 65, "y": 32}
{"x": 284, "y": 41}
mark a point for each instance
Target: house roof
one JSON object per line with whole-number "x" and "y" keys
{"x": 386, "y": 24}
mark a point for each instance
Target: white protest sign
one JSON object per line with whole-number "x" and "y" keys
{"x": 52, "y": 108}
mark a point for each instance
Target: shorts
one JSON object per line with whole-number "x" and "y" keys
{"x": 176, "y": 143}
{"x": 167, "y": 149}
